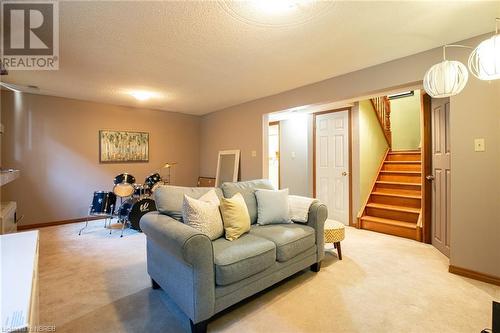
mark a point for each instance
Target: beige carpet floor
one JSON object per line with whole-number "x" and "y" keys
{"x": 98, "y": 283}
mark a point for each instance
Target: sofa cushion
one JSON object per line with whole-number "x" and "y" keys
{"x": 247, "y": 190}
{"x": 290, "y": 239}
{"x": 241, "y": 258}
{"x": 169, "y": 198}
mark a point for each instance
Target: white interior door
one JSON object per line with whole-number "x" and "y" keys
{"x": 441, "y": 175}
{"x": 332, "y": 163}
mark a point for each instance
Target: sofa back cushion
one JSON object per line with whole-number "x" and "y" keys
{"x": 247, "y": 190}
{"x": 169, "y": 198}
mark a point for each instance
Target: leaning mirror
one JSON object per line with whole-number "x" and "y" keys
{"x": 227, "y": 166}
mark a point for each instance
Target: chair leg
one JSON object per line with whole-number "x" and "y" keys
{"x": 200, "y": 327}
{"x": 155, "y": 284}
{"x": 339, "y": 250}
{"x": 316, "y": 267}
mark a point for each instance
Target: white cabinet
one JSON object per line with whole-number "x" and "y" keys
{"x": 19, "y": 282}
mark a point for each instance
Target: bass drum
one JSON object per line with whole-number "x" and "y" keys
{"x": 132, "y": 210}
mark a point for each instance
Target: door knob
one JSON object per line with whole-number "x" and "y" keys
{"x": 345, "y": 173}
{"x": 430, "y": 177}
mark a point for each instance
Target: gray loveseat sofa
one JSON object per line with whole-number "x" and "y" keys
{"x": 204, "y": 277}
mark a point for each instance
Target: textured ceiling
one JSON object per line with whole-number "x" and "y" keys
{"x": 203, "y": 56}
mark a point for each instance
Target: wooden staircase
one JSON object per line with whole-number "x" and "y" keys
{"x": 394, "y": 204}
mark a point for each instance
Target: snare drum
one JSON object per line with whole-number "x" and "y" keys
{"x": 103, "y": 203}
{"x": 153, "y": 181}
{"x": 124, "y": 185}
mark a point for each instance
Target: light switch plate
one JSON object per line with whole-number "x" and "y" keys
{"x": 479, "y": 144}
{"x": 254, "y": 153}
{"x": 293, "y": 155}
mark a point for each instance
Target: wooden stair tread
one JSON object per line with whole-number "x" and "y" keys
{"x": 394, "y": 208}
{"x": 403, "y": 172}
{"x": 397, "y": 183}
{"x": 396, "y": 152}
{"x": 399, "y": 195}
{"x": 395, "y": 223}
{"x": 403, "y": 162}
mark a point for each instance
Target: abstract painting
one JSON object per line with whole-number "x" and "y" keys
{"x": 121, "y": 146}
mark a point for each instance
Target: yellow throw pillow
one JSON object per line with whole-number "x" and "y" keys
{"x": 235, "y": 216}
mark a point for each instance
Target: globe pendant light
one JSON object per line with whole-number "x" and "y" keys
{"x": 484, "y": 61}
{"x": 446, "y": 78}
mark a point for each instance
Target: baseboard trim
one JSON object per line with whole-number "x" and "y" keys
{"x": 474, "y": 275}
{"x": 54, "y": 223}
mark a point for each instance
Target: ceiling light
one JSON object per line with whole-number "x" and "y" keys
{"x": 484, "y": 61}
{"x": 142, "y": 95}
{"x": 275, "y": 7}
{"x": 275, "y": 13}
{"x": 448, "y": 78}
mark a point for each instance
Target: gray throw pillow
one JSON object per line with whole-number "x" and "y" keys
{"x": 272, "y": 207}
{"x": 247, "y": 190}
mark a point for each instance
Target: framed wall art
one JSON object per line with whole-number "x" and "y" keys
{"x": 123, "y": 146}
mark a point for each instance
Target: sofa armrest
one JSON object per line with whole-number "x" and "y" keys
{"x": 184, "y": 241}
{"x": 318, "y": 214}
{"x": 181, "y": 261}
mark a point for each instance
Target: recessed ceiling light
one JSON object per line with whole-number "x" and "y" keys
{"x": 276, "y": 13}
{"x": 276, "y": 7}
{"x": 142, "y": 95}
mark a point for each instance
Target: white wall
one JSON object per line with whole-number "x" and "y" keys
{"x": 296, "y": 154}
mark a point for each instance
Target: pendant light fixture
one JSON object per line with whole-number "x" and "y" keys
{"x": 446, "y": 78}
{"x": 484, "y": 61}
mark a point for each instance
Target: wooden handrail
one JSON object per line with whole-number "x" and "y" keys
{"x": 382, "y": 108}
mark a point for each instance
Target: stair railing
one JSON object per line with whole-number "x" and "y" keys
{"x": 382, "y": 108}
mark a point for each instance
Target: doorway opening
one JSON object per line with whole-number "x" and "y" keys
{"x": 274, "y": 153}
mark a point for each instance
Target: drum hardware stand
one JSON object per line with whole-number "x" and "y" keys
{"x": 106, "y": 217}
{"x": 123, "y": 227}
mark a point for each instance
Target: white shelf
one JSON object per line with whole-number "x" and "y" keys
{"x": 6, "y": 176}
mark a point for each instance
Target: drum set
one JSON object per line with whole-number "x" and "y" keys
{"x": 135, "y": 201}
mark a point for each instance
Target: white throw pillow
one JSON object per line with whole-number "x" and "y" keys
{"x": 203, "y": 214}
{"x": 272, "y": 207}
{"x": 299, "y": 208}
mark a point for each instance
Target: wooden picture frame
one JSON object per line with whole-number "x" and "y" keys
{"x": 123, "y": 146}
{"x": 228, "y": 165}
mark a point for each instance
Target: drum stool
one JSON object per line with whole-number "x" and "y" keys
{"x": 335, "y": 233}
